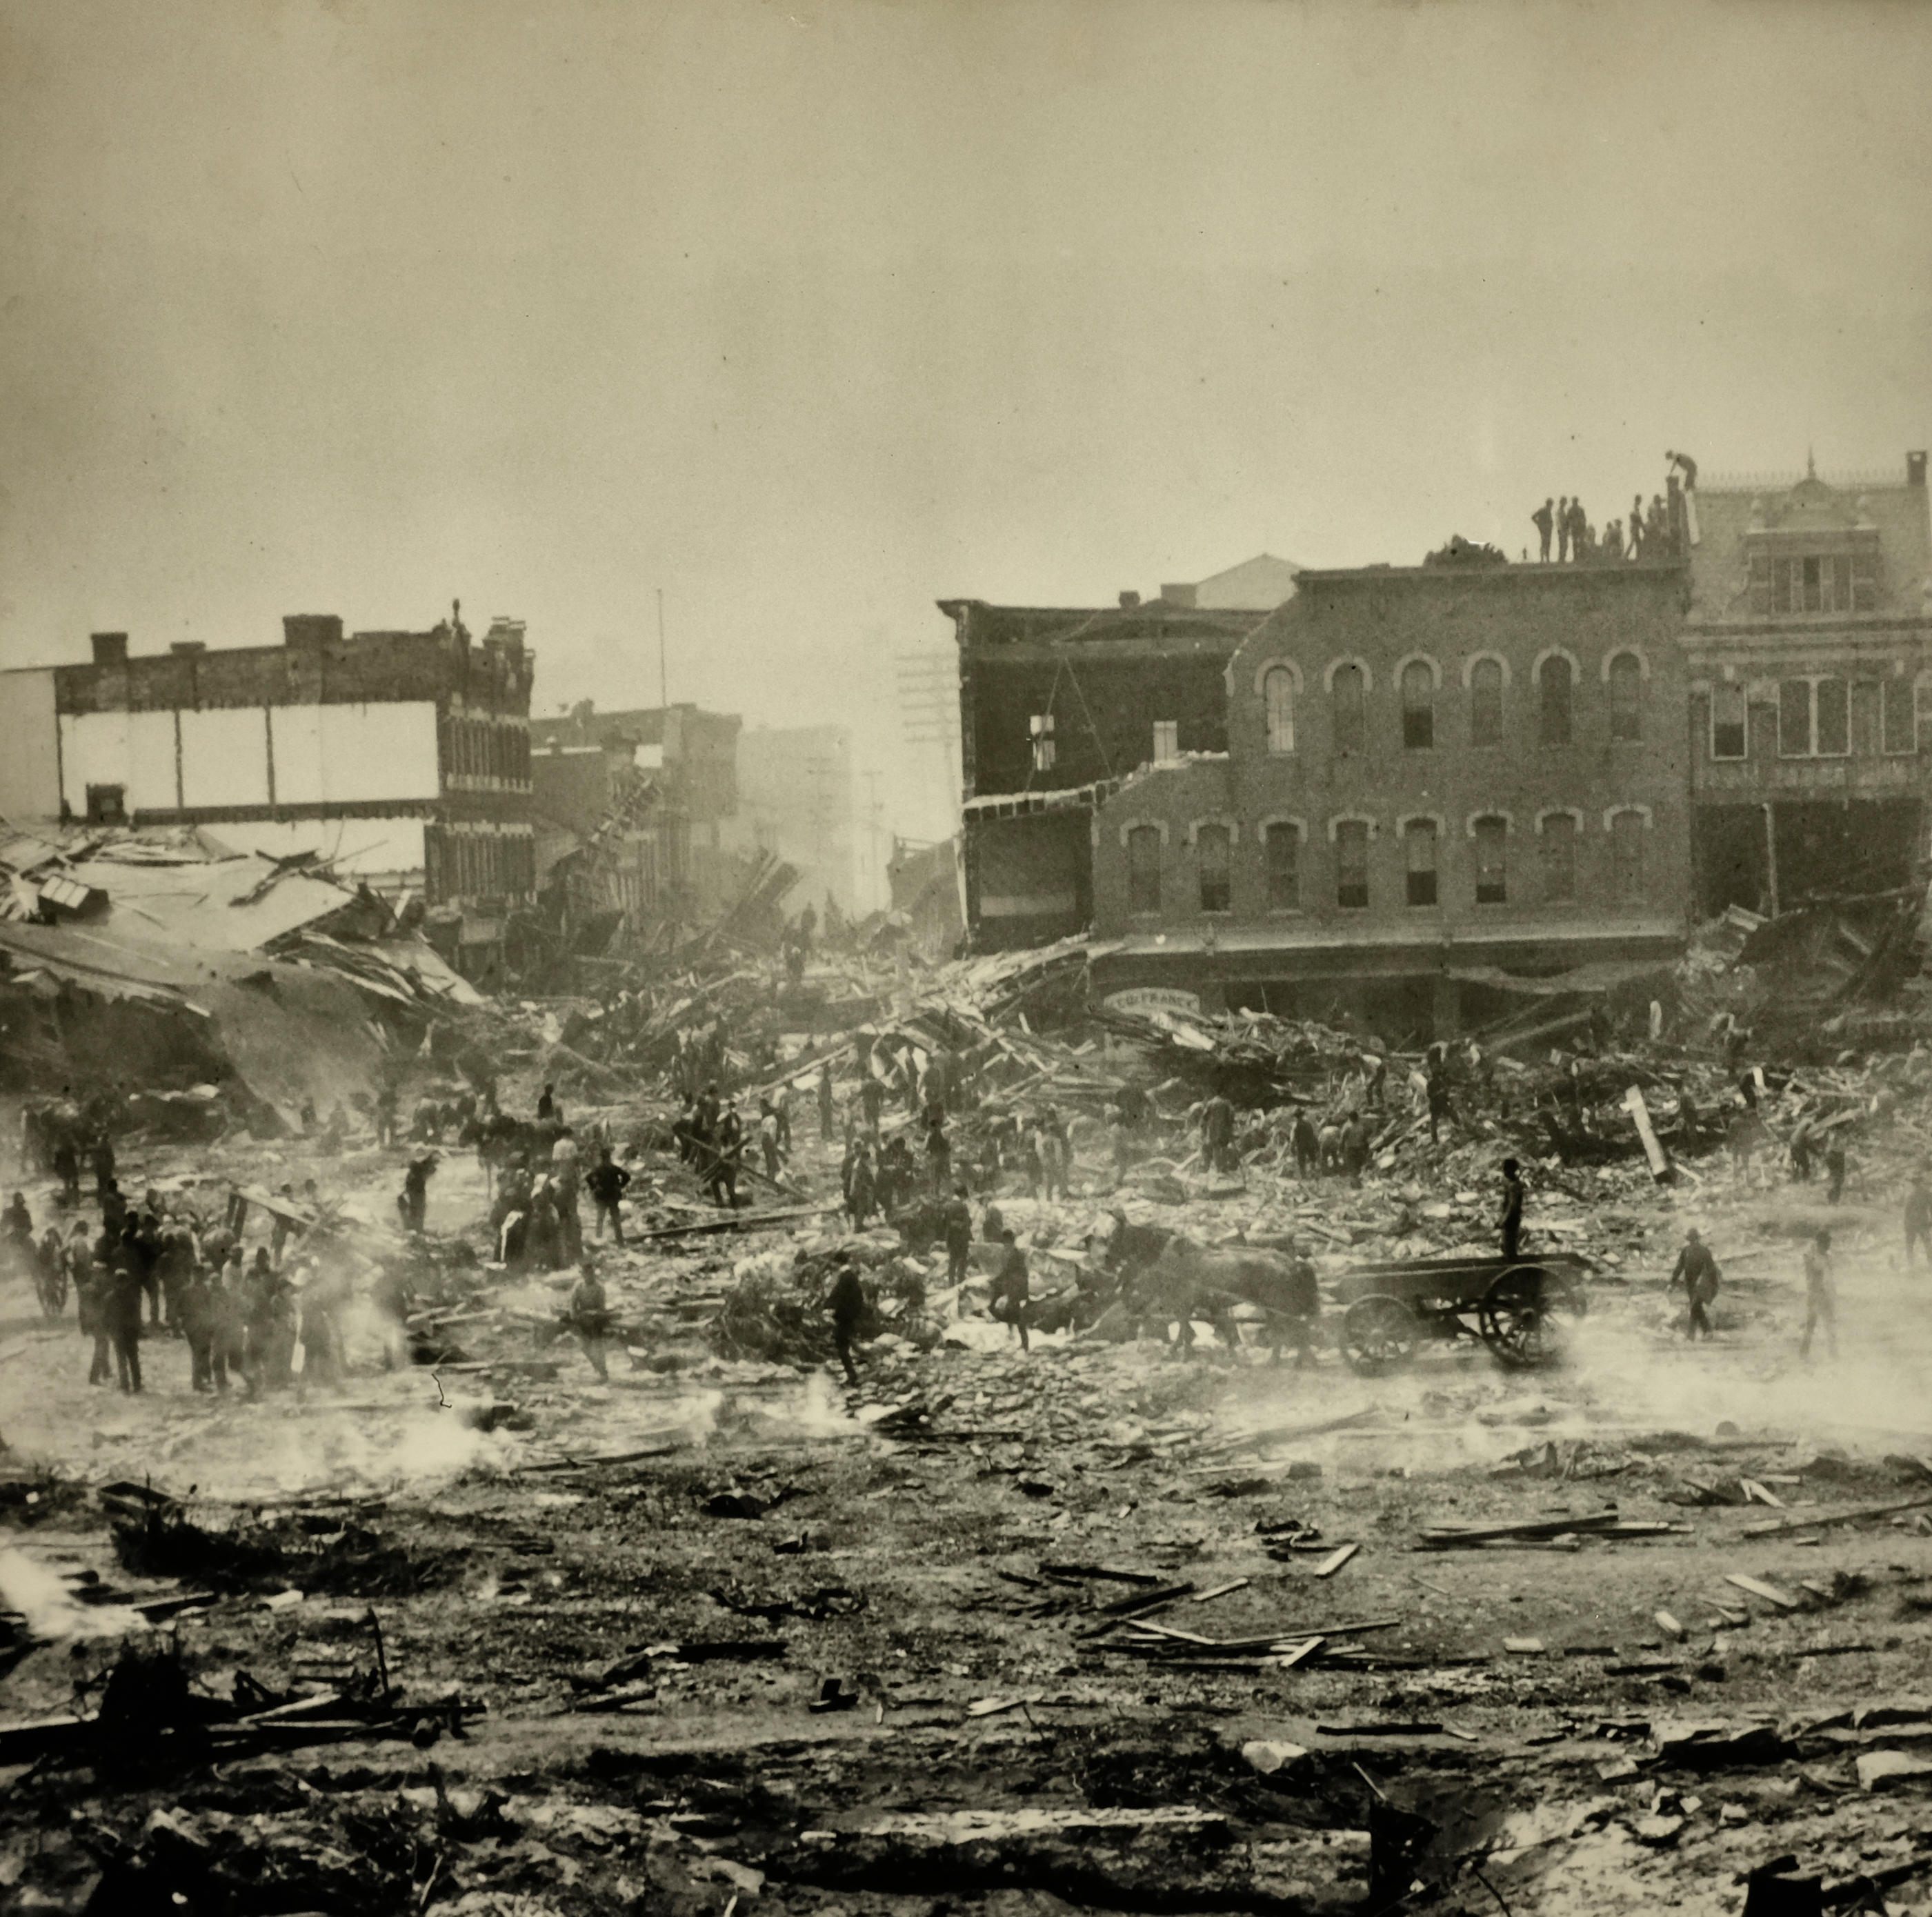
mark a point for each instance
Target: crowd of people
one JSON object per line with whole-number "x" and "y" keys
{"x": 1653, "y": 531}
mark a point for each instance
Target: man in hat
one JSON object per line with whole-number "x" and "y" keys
{"x": 1696, "y": 1271}
{"x": 1509, "y": 1220}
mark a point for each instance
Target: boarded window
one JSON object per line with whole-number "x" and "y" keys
{"x": 1211, "y": 852}
{"x": 1492, "y": 862}
{"x": 1559, "y": 859}
{"x": 1045, "y": 750}
{"x": 1834, "y": 718}
{"x": 1626, "y": 696}
{"x": 1418, "y": 707}
{"x": 1418, "y": 838}
{"x": 1896, "y": 721}
{"x": 1278, "y": 696}
{"x": 1728, "y": 735}
{"x": 107, "y": 804}
{"x": 1794, "y": 719}
{"x": 1349, "y": 690}
{"x": 1144, "y": 868}
{"x": 1626, "y": 831}
{"x": 1485, "y": 704}
{"x": 1166, "y": 741}
{"x": 1351, "y": 865}
{"x": 1553, "y": 678}
{"x": 1283, "y": 843}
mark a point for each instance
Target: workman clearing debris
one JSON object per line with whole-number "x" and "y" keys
{"x": 1697, "y": 1271}
{"x": 1301, "y": 1309}
{"x": 1821, "y": 1296}
{"x": 1306, "y": 1145}
{"x": 606, "y": 1180}
{"x": 1008, "y": 1301}
{"x": 957, "y": 1219}
{"x": 1834, "y": 1169}
{"x": 590, "y": 1318}
{"x": 1217, "y": 1135}
{"x": 413, "y": 1204}
{"x": 825, "y": 1116}
{"x": 846, "y": 1301}
{"x": 1917, "y": 1218}
{"x": 1509, "y": 1220}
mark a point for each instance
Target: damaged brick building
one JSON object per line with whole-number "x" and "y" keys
{"x": 403, "y": 758}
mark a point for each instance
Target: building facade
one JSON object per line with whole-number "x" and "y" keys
{"x": 1058, "y": 706}
{"x": 1809, "y": 668}
{"x": 1431, "y": 778}
{"x": 403, "y": 758}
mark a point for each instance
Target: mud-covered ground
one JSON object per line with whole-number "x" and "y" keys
{"x": 605, "y": 1686}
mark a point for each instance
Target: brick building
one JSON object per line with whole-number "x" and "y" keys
{"x": 1058, "y": 705}
{"x": 404, "y": 756}
{"x": 1425, "y": 779}
{"x": 1808, "y": 662}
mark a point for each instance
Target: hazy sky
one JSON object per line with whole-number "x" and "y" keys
{"x": 811, "y": 313}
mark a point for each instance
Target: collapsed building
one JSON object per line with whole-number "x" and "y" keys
{"x": 401, "y": 758}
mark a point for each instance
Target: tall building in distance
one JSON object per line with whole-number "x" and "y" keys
{"x": 795, "y": 786}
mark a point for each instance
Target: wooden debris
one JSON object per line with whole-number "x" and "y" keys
{"x": 1758, "y": 1588}
{"x": 1207, "y": 1597}
{"x": 1848, "y": 1514}
{"x": 1669, "y": 1625}
{"x": 1333, "y": 1562}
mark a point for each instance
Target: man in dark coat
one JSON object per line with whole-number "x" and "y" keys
{"x": 1509, "y": 1220}
{"x": 846, "y": 1301}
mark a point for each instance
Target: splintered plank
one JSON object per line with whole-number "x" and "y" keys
{"x": 1333, "y": 1562}
{"x": 1758, "y": 1588}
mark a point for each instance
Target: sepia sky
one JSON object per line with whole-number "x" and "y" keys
{"x": 811, "y": 313}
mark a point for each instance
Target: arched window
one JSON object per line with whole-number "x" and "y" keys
{"x": 1418, "y": 840}
{"x": 1278, "y": 696}
{"x": 1144, "y": 869}
{"x": 1626, "y": 696}
{"x": 1283, "y": 844}
{"x": 1418, "y": 705}
{"x": 1210, "y": 854}
{"x": 1352, "y": 863}
{"x": 1552, "y": 679}
{"x": 1492, "y": 862}
{"x": 1559, "y": 859}
{"x": 1349, "y": 690}
{"x": 1627, "y": 857}
{"x": 1486, "y": 703}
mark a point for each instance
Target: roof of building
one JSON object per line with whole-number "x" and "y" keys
{"x": 1791, "y": 505}
{"x": 1256, "y": 585}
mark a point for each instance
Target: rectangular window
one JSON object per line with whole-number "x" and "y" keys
{"x": 1835, "y": 719}
{"x": 1838, "y": 584}
{"x": 1814, "y": 584}
{"x": 1492, "y": 862}
{"x": 1166, "y": 741}
{"x": 1144, "y": 868}
{"x": 1729, "y": 738}
{"x": 1627, "y": 857}
{"x": 1794, "y": 719}
{"x": 1896, "y": 720}
{"x": 1351, "y": 865}
{"x": 1419, "y": 843}
{"x": 1283, "y": 843}
{"x": 1559, "y": 859}
{"x": 1045, "y": 751}
{"x": 1210, "y": 852}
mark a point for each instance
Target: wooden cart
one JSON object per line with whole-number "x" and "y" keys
{"x": 1521, "y": 1308}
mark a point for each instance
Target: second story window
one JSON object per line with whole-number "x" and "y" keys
{"x": 1627, "y": 857}
{"x": 1210, "y": 854}
{"x": 1814, "y": 718}
{"x": 1348, "y": 693}
{"x": 1418, "y": 707}
{"x": 1728, "y": 735}
{"x": 1283, "y": 846}
{"x": 1553, "y": 681}
{"x": 1492, "y": 862}
{"x": 1045, "y": 751}
{"x": 1278, "y": 697}
{"x": 1559, "y": 859}
{"x": 1486, "y": 703}
{"x": 1144, "y": 868}
{"x": 1351, "y": 865}
{"x": 1626, "y": 696}
{"x": 1418, "y": 839}
{"x": 1897, "y": 725}
{"x": 1819, "y": 583}
{"x": 1166, "y": 741}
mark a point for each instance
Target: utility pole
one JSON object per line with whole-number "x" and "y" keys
{"x": 664, "y": 681}
{"x": 880, "y": 887}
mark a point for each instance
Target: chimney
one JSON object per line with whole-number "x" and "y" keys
{"x": 506, "y": 634}
{"x": 187, "y": 649}
{"x": 1915, "y": 468}
{"x": 1130, "y": 602}
{"x": 110, "y": 649}
{"x": 1179, "y": 595}
{"x": 311, "y": 631}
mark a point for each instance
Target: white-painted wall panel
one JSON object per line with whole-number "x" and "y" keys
{"x": 299, "y": 776}
{"x": 224, "y": 757}
{"x": 150, "y": 762}
{"x": 353, "y": 755}
{"x": 94, "y": 752}
{"x": 29, "y": 748}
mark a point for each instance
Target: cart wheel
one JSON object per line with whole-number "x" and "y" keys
{"x": 1379, "y": 1334}
{"x": 1524, "y": 1315}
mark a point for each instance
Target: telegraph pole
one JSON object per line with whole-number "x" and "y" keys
{"x": 880, "y": 886}
{"x": 664, "y": 681}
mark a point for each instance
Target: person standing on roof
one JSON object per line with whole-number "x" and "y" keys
{"x": 1509, "y": 1219}
{"x": 1543, "y": 519}
{"x": 1563, "y": 527}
